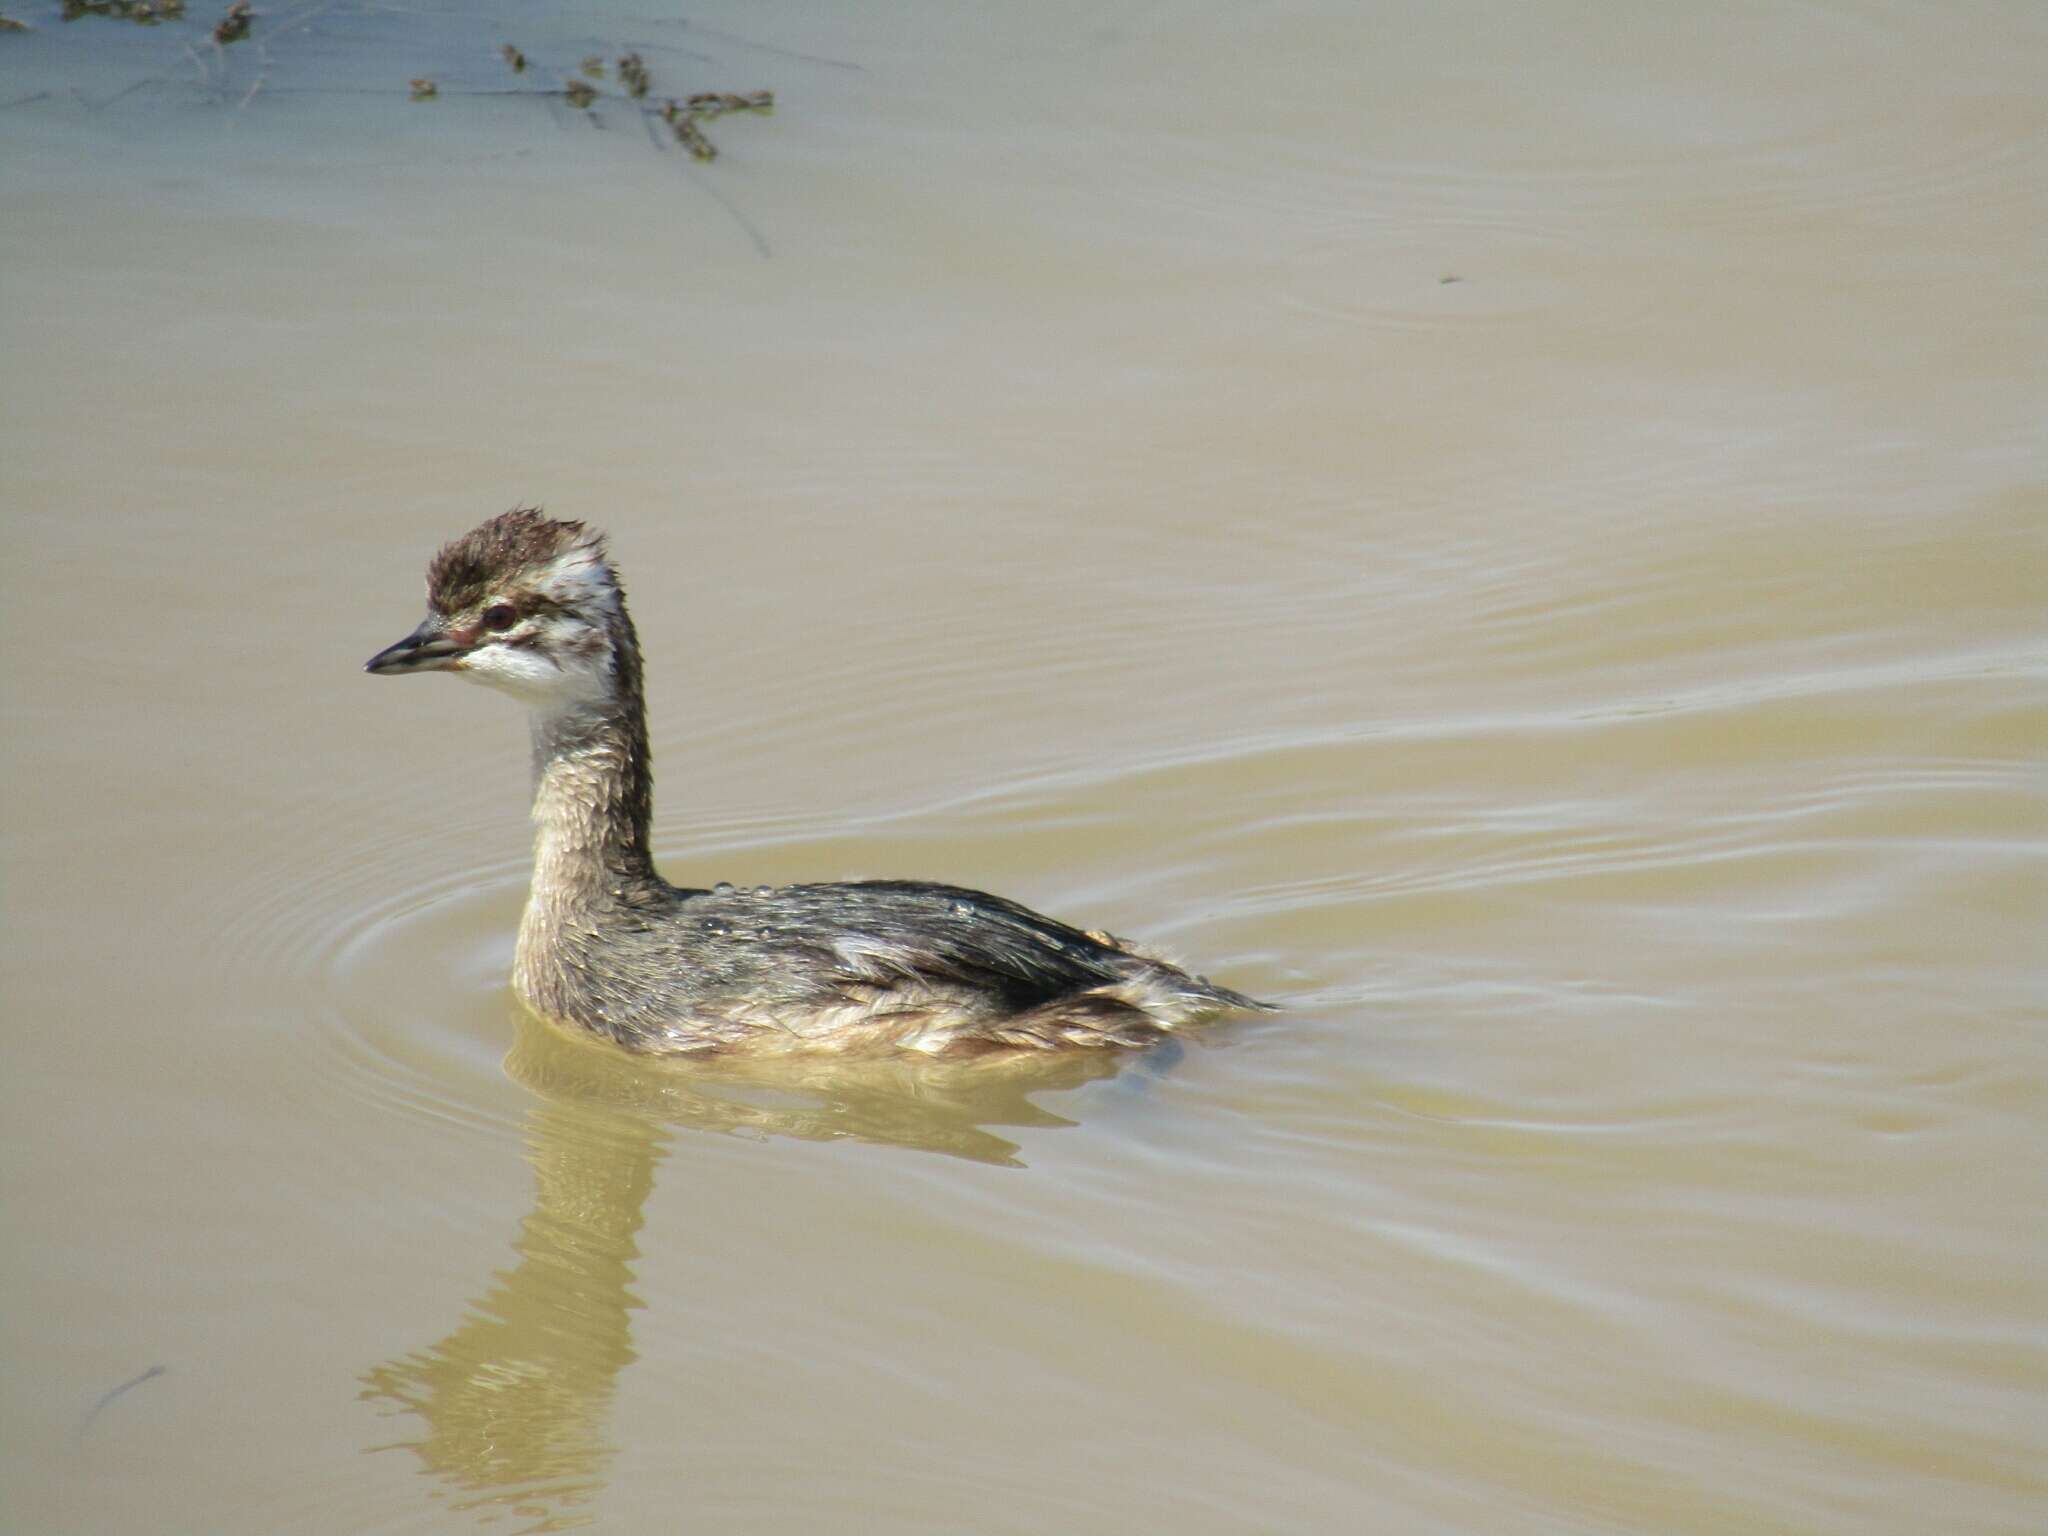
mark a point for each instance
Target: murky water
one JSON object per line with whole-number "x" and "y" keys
{"x": 1520, "y": 531}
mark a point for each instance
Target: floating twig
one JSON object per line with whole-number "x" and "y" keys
{"x": 99, "y": 1407}
{"x": 710, "y": 104}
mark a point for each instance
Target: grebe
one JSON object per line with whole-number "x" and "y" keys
{"x": 532, "y": 605}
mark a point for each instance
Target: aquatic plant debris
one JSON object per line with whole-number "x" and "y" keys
{"x": 683, "y": 117}
{"x": 709, "y": 104}
{"x": 684, "y": 126}
{"x": 586, "y": 86}
{"x": 144, "y": 13}
{"x": 234, "y": 26}
{"x": 236, "y": 78}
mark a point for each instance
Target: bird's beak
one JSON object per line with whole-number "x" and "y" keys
{"x": 427, "y": 649}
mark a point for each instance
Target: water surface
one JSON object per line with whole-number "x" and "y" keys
{"x": 1517, "y": 531}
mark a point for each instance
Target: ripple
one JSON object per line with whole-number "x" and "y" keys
{"x": 414, "y": 1002}
{"x": 396, "y": 978}
{"x": 383, "y": 943}
{"x": 1520, "y": 158}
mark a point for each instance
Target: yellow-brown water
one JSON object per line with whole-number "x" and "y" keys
{"x": 1518, "y": 531}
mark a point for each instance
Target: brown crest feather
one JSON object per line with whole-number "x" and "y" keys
{"x": 464, "y": 571}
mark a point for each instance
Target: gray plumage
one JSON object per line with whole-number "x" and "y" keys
{"x": 533, "y": 606}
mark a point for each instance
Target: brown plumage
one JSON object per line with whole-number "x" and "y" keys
{"x": 463, "y": 570}
{"x": 532, "y": 605}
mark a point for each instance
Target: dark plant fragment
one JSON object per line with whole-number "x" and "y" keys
{"x": 144, "y": 13}
{"x": 234, "y": 26}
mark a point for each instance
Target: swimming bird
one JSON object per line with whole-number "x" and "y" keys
{"x": 532, "y": 606}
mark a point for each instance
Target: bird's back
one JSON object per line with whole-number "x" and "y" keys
{"x": 858, "y": 965}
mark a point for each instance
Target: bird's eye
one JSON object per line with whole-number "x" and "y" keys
{"x": 500, "y": 616}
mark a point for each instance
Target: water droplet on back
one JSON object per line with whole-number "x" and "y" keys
{"x": 723, "y": 888}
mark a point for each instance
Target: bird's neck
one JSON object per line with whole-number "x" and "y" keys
{"x": 593, "y": 797}
{"x": 592, "y": 787}
{"x": 593, "y": 867}
{"x": 592, "y": 791}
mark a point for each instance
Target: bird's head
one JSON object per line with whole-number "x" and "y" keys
{"x": 528, "y": 604}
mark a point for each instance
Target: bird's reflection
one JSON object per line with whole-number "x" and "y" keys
{"x": 515, "y": 1400}
{"x": 895, "y": 1101}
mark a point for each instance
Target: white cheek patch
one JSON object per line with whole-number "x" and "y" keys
{"x": 529, "y": 676}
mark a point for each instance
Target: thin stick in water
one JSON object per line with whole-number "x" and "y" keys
{"x": 99, "y": 1407}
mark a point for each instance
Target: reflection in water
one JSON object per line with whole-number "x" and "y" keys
{"x": 929, "y": 1106}
{"x": 515, "y": 1399}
